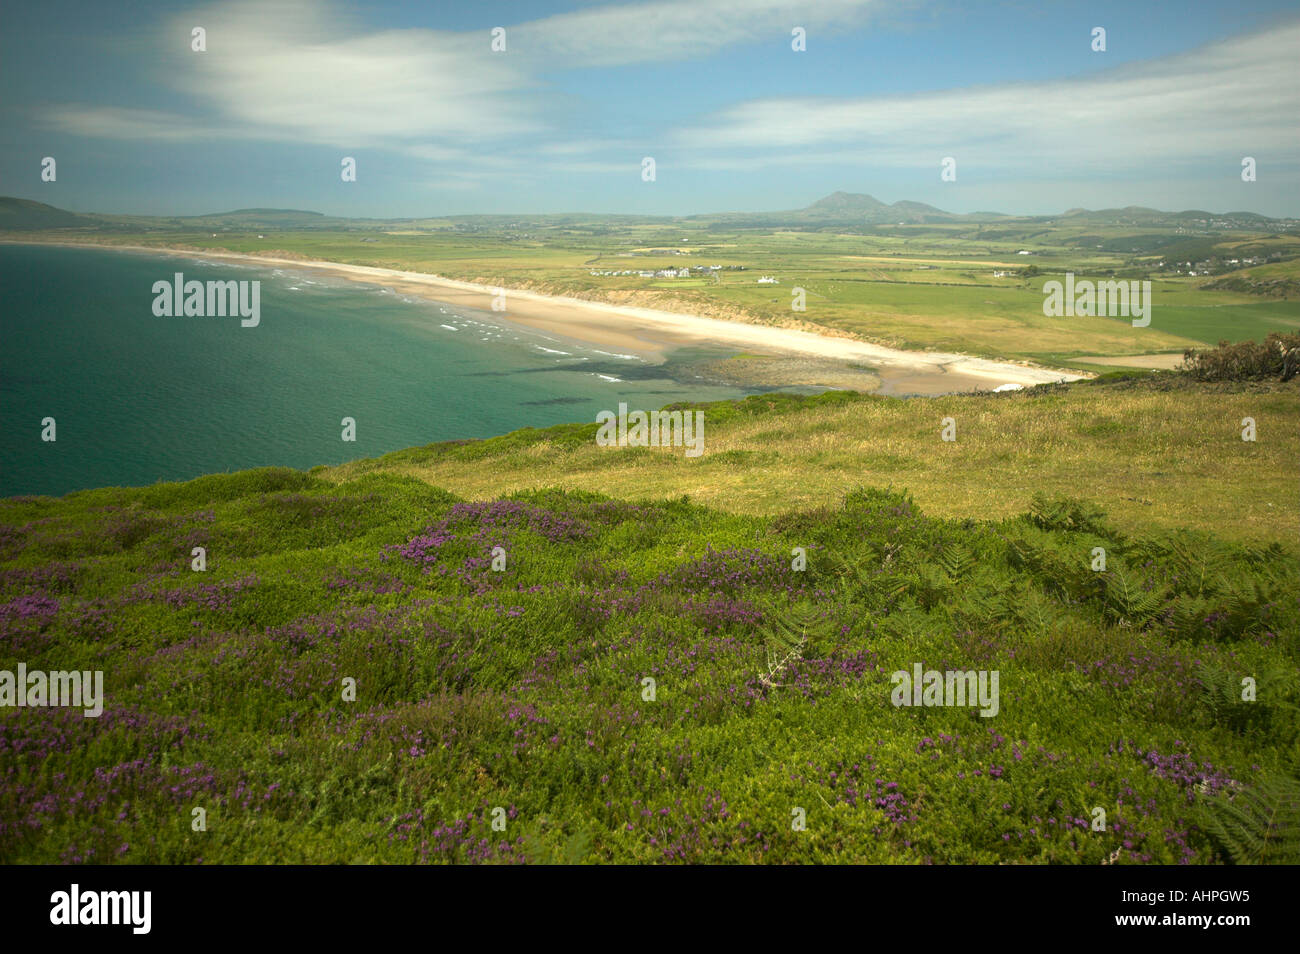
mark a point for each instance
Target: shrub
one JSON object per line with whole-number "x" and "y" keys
{"x": 1246, "y": 360}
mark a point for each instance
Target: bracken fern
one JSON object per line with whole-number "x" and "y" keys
{"x": 1256, "y": 825}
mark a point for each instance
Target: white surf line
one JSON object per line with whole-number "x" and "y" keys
{"x": 693, "y": 326}
{"x": 783, "y": 339}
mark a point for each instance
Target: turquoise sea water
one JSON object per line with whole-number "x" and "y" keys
{"x": 138, "y": 398}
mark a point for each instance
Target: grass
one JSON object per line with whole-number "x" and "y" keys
{"x": 503, "y": 714}
{"x": 1159, "y": 453}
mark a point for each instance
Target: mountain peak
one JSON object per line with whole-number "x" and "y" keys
{"x": 847, "y": 202}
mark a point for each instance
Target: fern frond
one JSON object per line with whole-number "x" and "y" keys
{"x": 957, "y": 561}
{"x": 1126, "y": 600}
{"x": 1256, "y": 825}
{"x": 1039, "y": 613}
{"x": 788, "y": 635}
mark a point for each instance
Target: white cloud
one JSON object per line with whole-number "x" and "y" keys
{"x": 301, "y": 71}
{"x": 669, "y": 30}
{"x": 1237, "y": 97}
{"x": 117, "y": 122}
{"x": 308, "y": 71}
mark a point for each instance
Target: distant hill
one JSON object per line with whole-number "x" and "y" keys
{"x": 266, "y": 219}
{"x": 1136, "y": 215}
{"x": 839, "y": 210}
{"x": 841, "y": 203}
{"x": 25, "y": 214}
{"x": 846, "y": 209}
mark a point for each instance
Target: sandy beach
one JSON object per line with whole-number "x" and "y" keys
{"x": 651, "y": 333}
{"x": 1156, "y": 362}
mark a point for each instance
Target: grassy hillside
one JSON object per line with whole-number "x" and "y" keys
{"x": 523, "y": 688}
{"x": 1160, "y": 452}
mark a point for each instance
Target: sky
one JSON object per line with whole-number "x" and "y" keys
{"x": 714, "y": 91}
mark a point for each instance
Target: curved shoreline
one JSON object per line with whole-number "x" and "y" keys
{"x": 650, "y": 332}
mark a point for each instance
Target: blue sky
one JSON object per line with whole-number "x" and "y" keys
{"x": 439, "y": 124}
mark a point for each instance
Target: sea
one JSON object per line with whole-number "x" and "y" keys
{"x": 136, "y": 398}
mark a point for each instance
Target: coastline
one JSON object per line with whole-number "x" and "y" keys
{"x": 651, "y": 333}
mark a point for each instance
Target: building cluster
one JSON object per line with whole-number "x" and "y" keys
{"x": 684, "y": 272}
{"x": 1214, "y": 266}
